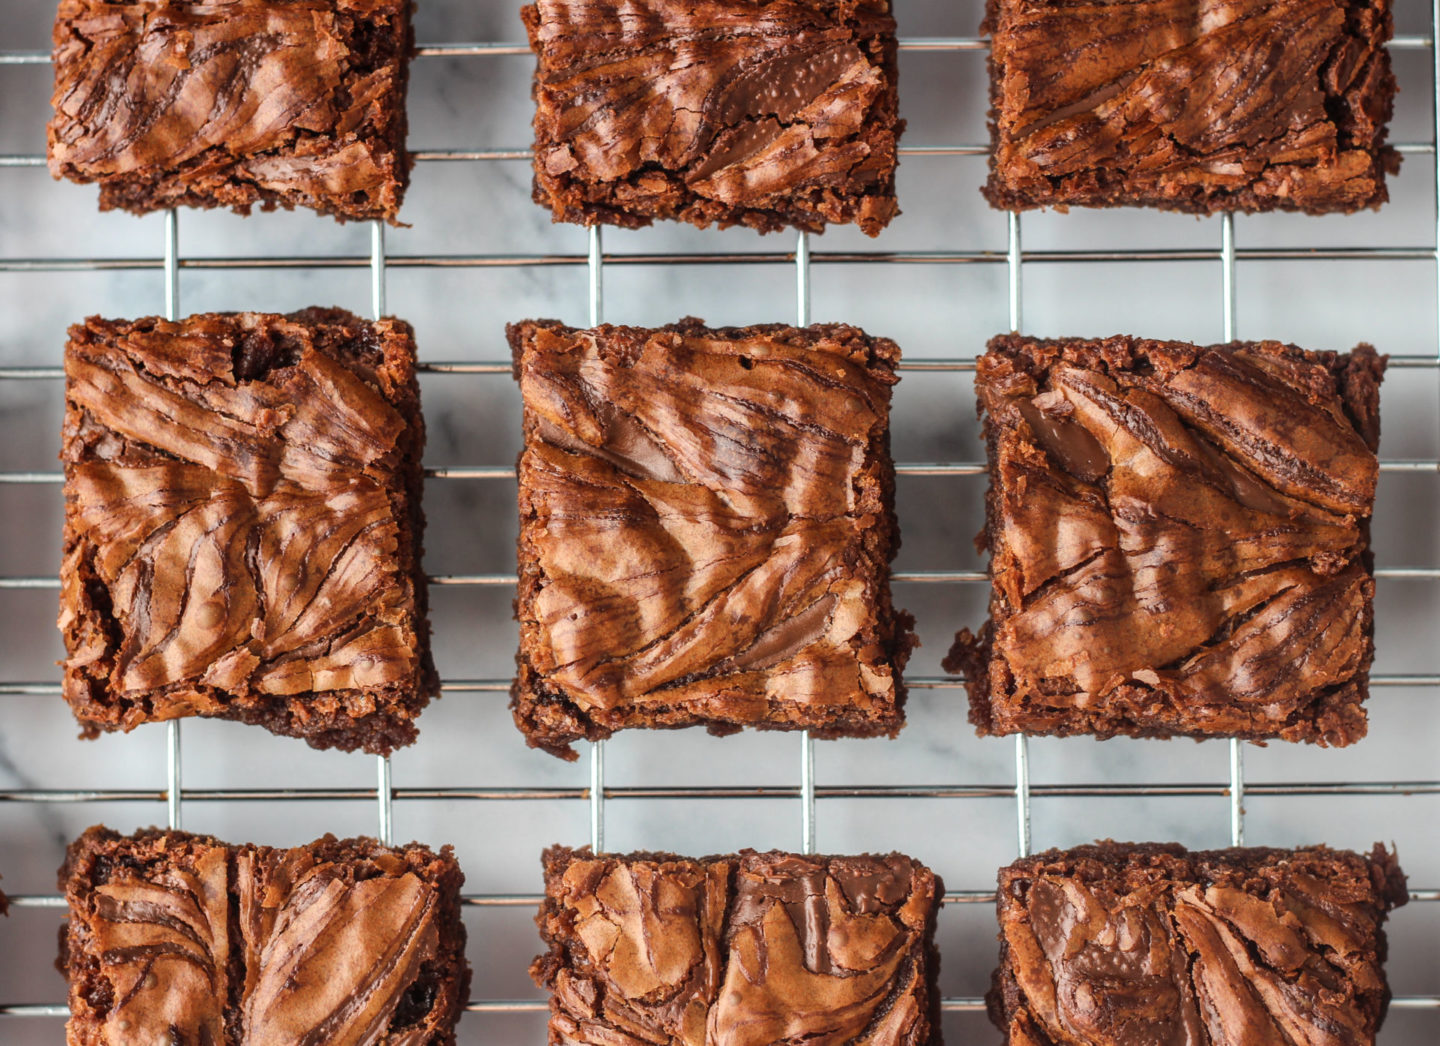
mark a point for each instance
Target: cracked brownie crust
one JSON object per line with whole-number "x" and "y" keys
{"x": 1179, "y": 540}
{"x": 766, "y": 113}
{"x": 748, "y": 949}
{"x": 181, "y": 938}
{"x": 242, "y": 526}
{"x": 706, "y": 528}
{"x": 1124, "y": 945}
{"x": 1191, "y": 105}
{"x": 233, "y": 103}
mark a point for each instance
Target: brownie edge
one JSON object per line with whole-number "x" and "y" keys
{"x": 749, "y": 947}
{"x": 1118, "y": 942}
{"x": 179, "y": 936}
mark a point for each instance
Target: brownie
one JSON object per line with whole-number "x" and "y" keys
{"x": 181, "y": 938}
{"x": 706, "y": 528}
{"x": 1179, "y": 540}
{"x": 746, "y": 949}
{"x": 1187, "y": 105}
{"x": 766, "y": 113}
{"x": 242, "y": 526}
{"x": 232, "y": 103}
{"x": 1119, "y": 945}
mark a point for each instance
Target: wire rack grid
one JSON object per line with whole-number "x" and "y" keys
{"x": 595, "y": 794}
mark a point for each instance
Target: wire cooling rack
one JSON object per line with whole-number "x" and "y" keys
{"x": 1385, "y": 797}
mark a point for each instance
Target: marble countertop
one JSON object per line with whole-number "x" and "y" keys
{"x": 934, "y": 310}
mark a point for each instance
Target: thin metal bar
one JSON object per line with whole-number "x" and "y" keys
{"x": 807, "y": 742}
{"x": 1023, "y": 792}
{"x": 903, "y": 577}
{"x": 530, "y": 900}
{"x": 1013, "y": 258}
{"x": 172, "y": 264}
{"x": 1382, "y": 680}
{"x": 949, "y": 1004}
{"x": 802, "y": 279}
{"x": 1435, "y": 128}
{"x": 174, "y": 790}
{"x": 491, "y": 50}
{"x": 377, "y": 269}
{"x": 508, "y": 261}
{"x": 903, "y": 468}
{"x": 1228, "y": 322}
{"x": 384, "y": 783}
{"x": 597, "y": 797}
{"x": 1113, "y": 790}
{"x": 951, "y": 364}
{"x": 596, "y": 274}
{"x": 596, "y": 263}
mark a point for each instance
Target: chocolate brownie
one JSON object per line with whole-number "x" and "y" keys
{"x": 706, "y": 528}
{"x": 242, "y": 526}
{"x": 1250, "y": 105}
{"x": 181, "y": 938}
{"x": 747, "y": 949}
{"x": 766, "y": 113}
{"x": 1179, "y": 540}
{"x": 1119, "y": 945}
{"x": 232, "y": 103}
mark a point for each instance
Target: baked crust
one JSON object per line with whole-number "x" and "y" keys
{"x": 706, "y": 528}
{"x": 1179, "y": 540}
{"x": 243, "y": 526}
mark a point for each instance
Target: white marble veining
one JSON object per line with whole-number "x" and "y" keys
{"x": 467, "y": 739}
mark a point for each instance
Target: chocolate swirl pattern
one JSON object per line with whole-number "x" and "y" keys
{"x": 1141, "y": 945}
{"x": 726, "y": 111}
{"x": 1192, "y": 105}
{"x": 182, "y": 939}
{"x": 706, "y": 531}
{"x": 233, "y": 103}
{"x": 1179, "y": 540}
{"x": 240, "y": 537}
{"x": 747, "y": 950}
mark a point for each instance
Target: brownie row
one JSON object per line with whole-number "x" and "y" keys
{"x": 765, "y": 113}
{"x": 182, "y": 938}
{"x": 1179, "y": 535}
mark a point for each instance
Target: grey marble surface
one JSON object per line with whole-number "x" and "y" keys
{"x": 933, "y": 310}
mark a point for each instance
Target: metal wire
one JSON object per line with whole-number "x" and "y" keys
{"x": 385, "y": 794}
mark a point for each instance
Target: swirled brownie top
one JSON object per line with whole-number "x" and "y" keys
{"x": 180, "y": 938}
{"x": 242, "y": 525}
{"x": 1179, "y": 539}
{"x": 233, "y": 103}
{"x": 748, "y": 949}
{"x": 1191, "y": 105}
{"x": 768, "y": 114}
{"x": 1124, "y": 945}
{"x": 706, "y": 528}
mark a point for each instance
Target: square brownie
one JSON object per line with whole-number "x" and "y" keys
{"x": 706, "y": 529}
{"x": 766, "y": 113}
{"x": 1115, "y": 944}
{"x": 1186, "y": 105}
{"x": 746, "y": 949}
{"x": 1179, "y": 540}
{"x": 174, "y": 937}
{"x": 242, "y": 526}
{"x": 232, "y": 103}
